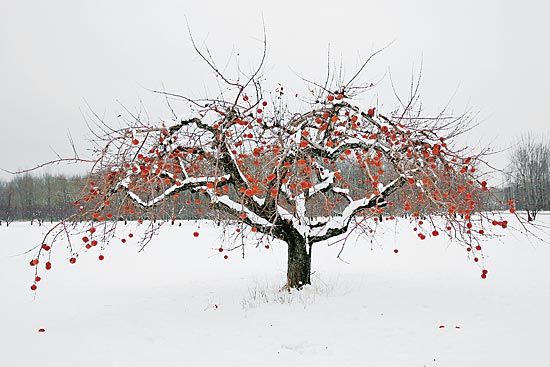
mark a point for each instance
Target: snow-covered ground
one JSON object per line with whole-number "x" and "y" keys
{"x": 180, "y": 303}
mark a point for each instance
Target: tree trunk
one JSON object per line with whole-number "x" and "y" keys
{"x": 299, "y": 263}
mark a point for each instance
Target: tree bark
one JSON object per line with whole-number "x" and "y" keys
{"x": 299, "y": 263}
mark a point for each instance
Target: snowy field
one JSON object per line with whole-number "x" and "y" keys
{"x": 180, "y": 303}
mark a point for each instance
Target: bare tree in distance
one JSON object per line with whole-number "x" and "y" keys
{"x": 8, "y": 194}
{"x": 306, "y": 176}
{"x": 529, "y": 179}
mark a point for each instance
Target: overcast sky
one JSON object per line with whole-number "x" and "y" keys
{"x": 59, "y": 56}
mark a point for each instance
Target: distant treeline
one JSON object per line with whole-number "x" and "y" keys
{"x": 48, "y": 197}
{"x": 52, "y": 197}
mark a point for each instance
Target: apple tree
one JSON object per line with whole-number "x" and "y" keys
{"x": 304, "y": 176}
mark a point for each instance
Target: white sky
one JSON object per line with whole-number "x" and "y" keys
{"x": 492, "y": 56}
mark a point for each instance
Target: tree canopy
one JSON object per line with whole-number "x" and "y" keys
{"x": 304, "y": 176}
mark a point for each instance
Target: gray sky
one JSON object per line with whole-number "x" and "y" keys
{"x": 57, "y": 55}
